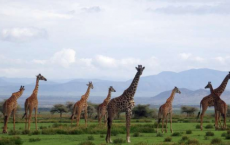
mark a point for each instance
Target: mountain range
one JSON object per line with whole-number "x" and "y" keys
{"x": 154, "y": 87}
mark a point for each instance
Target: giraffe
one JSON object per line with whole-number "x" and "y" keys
{"x": 208, "y": 100}
{"x": 82, "y": 105}
{"x": 32, "y": 103}
{"x": 123, "y": 103}
{"x": 9, "y": 106}
{"x": 103, "y": 106}
{"x": 165, "y": 110}
{"x": 219, "y": 105}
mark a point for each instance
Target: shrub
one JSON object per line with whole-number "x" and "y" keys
{"x": 159, "y": 134}
{"x": 209, "y": 126}
{"x": 14, "y": 132}
{"x": 184, "y": 138}
{"x": 176, "y": 134}
{"x": 188, "y": 131}
{"x": 118, "y": 140}
{"x": 209, "y": 133}
{"x": 193, "y": 142}
{"x": 36, "y": 132}
{"x": 90, "y": 137}
{"x": 197, "y": 126}
{"x": 227, "y": 136}
{"x": 25, "y": 131}
{"x": 224, "y": 134}
{"x": 206, "y": 138}
{"x": 11, "y": 141}
{"x": 34, "y": 139}
{"x": 86, "y": 143}
{"x": 101, "y": 136}
{"x": 136, "y": 134}
{"x": 216, "y": 141}
{"x": 168, "y": 139}
{"x": 141, "y": 143}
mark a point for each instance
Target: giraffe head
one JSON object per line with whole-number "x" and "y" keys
{"x": 22, "y": 88}
{"x": 90, "y": 85}
{"x": 40, "y": 77}
{"x": 111, "y": 89}
{"x": 229, "y": 75}
{"x": 140, "y": 69}
{"x": 177, "y": 90}
{"x": 208, "y": 85}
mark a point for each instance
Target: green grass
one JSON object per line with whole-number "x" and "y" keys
{"x": 97, "y": 134}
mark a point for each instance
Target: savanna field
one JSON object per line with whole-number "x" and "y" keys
{"x": 58, "y": 131}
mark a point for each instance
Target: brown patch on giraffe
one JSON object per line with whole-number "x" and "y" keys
{"x": 9, "y": 106}
{"x": 123, "y": 103}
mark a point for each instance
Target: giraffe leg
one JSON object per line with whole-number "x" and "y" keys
{"x": 26, "y": 119}
{"x": 5, "y": 124}
{"x": 216, "y": 119}
{"x": 166, "y": 119}
{"x": 128, "y": 118}
{"x": 204, "y": 108}
{"x": 109, "y": 125}
{"x": 163, "y": 118}
{"x": 36, "y": 109}
{"x": 29, "y": 118}
{"x": 86, "y": 116}
{"x": 171, "y": 123}
{"x": 105, "y": 119}
{"x": 78, "y": 116}
{"x": 14, "y": 111}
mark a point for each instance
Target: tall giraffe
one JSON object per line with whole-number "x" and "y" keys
{"x": 32, "y": 103}
{"x": 166, "y": 109}
{"x": 103, "y": 106}
{"x": 123, "y": 103}
{"x": 82, "y": 105}
{"x": 208, "y": 100}
{"x": 9, "y": 106}
{"x": 219, "y": 105}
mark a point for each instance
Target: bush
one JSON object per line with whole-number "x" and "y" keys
{"x": 34, "y": 139}
{"x": 176, "y": 134}
{"x": 224, "y": 134}
{"x": 216, "y": 141}
{"x": 136, "y": 134}
{"x": 193, "y": 142}
{"x": 11, "y": 141}
{"x": 184, "y": 138}
{"x": 14, "y": 132}
{"x": 159, "y": 134}
{"x": 188, "y": 131}
{"x": 168, "y": 139}
{"x": 209, "y": 133}
{"x": 141, "y": 143}
{"x": 90, "y": 137}
{"x": 25, "y": 131}
{"x": 118, "y": 140}
{"x": 227, "y": 136}
{"x": 197, "y": 126}
{"x": 101, "y": 136}
{"x": 36, "y": 132}
{"x": 86, "y": 143}
{"x": 209, "y": 126}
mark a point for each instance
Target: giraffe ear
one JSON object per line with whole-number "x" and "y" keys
{"x": 143, "y": 68}
{"x": 87, "y": 84}
{"x": 136, "y": 68}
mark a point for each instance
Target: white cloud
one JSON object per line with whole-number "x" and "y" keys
{"x": 185, "y": 55}
{"x": 22, "y": 34}
{"x": 105, "y": 61}
{"x": 94, "y": 9}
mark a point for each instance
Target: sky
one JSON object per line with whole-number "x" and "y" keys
{"x": 107, "y": 39}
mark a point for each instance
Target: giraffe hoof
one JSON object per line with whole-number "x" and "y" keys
{"x": 4, "y": 131}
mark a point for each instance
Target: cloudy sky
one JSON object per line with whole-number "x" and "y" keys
{"x": 106, "y": 39}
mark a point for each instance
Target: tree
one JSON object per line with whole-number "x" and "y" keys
{"x": 59, "y": 108}
{"x": 69, "y": 106}
{"x": 1, "y": 105}
{"x": 91, "y": 110}
{"x": 188, "y": 110}
{"x": 141, "y": 111}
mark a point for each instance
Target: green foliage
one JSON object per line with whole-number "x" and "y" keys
{"x": 216, "y": 141}
{"x": 36, "y": 132}
{"x": 34, "y": 139}
{"x": 193, "y": 142}
{"x": 168, "y": 139}
{"x": 59, "y": 108}
{"x": 14, "y": 132}
{"x": 209, "y": 133}
{"x": 25, "y": 131}
{"x": 188, "y": 110}
{"x": 227, "y": 136}
{"x": 118, "y": 141}
{"x": 176, "y": 134}
{"x": 184, "y": 138}
{"x": 197, "y": 126}
{"x": 11, "y": 141}
{"x": 159, "y": 134}
{"x": 209, "y": 126}
{"x": 86, "y": 143}
{"x": 101, "y": 136}
{"x": 136, "y": 134}
{"x": 188, "y": 131}
{"x": 90, "y": 137}
{"x": 143, "y": 111}
{"x": 224, "y": 134}
{"x": 141, "y": 143}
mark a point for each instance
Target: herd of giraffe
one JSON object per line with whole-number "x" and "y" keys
{"x": 124, "y": 103}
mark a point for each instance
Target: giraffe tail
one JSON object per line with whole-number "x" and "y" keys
{"x": 73, "y": 113}
{"x": 25, "y": 114}
{"x": 198, "y": 115}
{"x": 159, "y": 120}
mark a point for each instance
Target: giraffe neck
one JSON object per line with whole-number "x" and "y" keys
{"x": 214, "y": 95}
{"x": 133, "y": 87}
{"x": 222, "y": 86}
{"x": 170, "y": 99}
{"x": 108, "y": 97}
{"x": 17, "y": 94}
{"x": 36, "y": 87}
{"x": 86, "y": 96}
